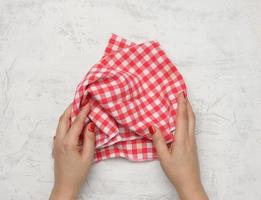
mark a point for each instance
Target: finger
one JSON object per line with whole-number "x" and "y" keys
{"x": 64, "y": 123}
{"x": 89, "y": 142}
{"x": 159, "y": 143}
{"x": 191, "y": 121}
{"x": 182, "y": 119}
{"x": 53, "y": 153}
{"x": 78, "y": 124}
{"x": 171, "y": 146}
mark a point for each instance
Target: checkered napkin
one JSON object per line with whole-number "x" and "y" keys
{"x": 132, "y": 87}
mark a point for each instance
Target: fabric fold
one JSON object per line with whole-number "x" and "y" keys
{"x": 132, "y": 87}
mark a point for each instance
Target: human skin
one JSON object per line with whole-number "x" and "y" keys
{"x": 72, "y": 162}
{"x": 180, "y": 160}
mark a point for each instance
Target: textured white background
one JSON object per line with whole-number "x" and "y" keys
{"x": 46, "y": 47}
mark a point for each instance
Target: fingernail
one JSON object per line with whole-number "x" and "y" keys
{"x": 91, "y": 127}
{"x": 184, "y": 95}
{"x": 152, "y": 130}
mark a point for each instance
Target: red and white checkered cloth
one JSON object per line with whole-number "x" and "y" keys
{"x": 132, "y": 87}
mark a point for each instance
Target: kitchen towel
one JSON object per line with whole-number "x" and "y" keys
{"x": 132, "y": 87}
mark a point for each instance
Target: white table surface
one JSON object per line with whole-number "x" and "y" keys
{"x": 46, "y": 47}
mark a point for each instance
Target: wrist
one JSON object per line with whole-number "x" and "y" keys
{"x": 192, "y": 192}
{"x": 63, "y": 193}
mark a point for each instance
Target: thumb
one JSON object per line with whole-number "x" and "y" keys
{"x": 159, "y": 142}
{"x": 89, "y": 142}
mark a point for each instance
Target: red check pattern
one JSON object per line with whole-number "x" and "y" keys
{"x": 132, "y": 87}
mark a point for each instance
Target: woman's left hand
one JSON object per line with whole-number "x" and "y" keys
{"x": 72, "y": 161}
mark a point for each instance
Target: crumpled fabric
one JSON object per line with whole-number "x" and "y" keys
{"x": 132, "y": 87}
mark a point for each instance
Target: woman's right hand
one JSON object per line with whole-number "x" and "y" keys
{"x": 180, "y": 160}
